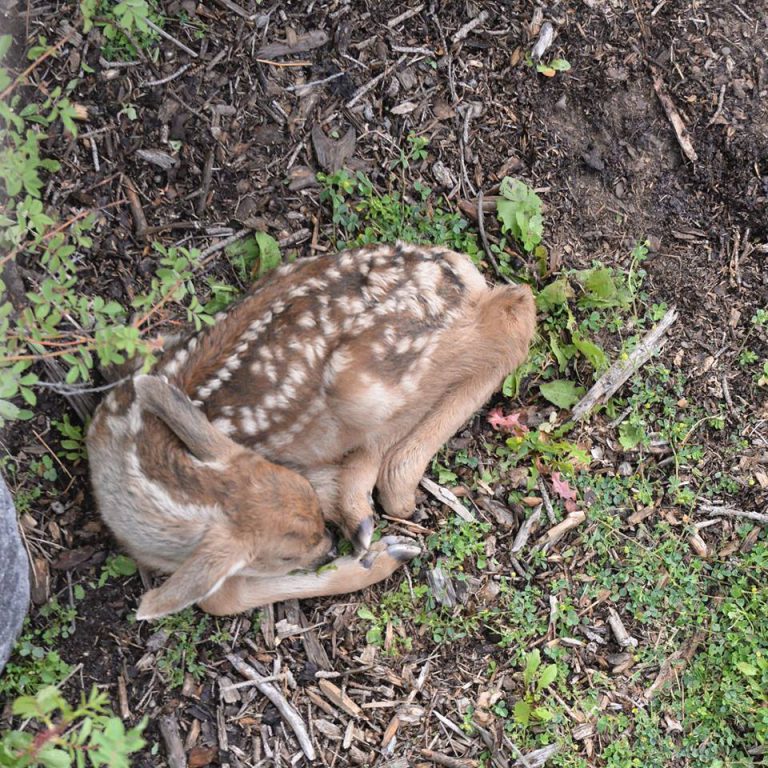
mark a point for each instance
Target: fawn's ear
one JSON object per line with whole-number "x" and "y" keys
{"x": 172, "y": 406}
{"x": 200, "y": 576}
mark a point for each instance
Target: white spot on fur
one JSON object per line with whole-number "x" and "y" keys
{"x": 224, "y": 425}
{"x": 298, "y": 292}
{"x": 248, "y": 421}
{"x": 261, "y": 418}
{"x": 176, "y": 362}
{"x": 306, "y": 321}
{"x": 233, "y": 363}
{"x": 315, "y": 284}
{"x": 337, "y": 363}
{"x": 135, "y": 420}
{"x": 296, "y": 375}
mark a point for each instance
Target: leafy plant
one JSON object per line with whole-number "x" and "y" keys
{"x": 34, "y": 661}
{"x": 73, "y": 439}
{"x": 186, "y": 631}
{"x": 115, "y": 567}
{"x": 550, "y": 69}
{"x": 536, "y": 680}
{"x": 122, "y": 23}
{"x": 520, "y": 214}
{"x": 65, "y": 735}
{"x": 362, "y": 215}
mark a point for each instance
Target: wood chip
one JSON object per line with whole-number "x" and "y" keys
{"x": 169, "y": 730}
{"x": 681, "y": 132}
{"x": 333, "y": 154}
{"x": 554, "y": 534}
{"x": 340, "y": 699}
{"x": 623, "y": 638}
{"x": 448, "y": 498}
{"x": 537, "y": 758}
{"x": 446, "y": 760}
{"x": 302, "y": 44}
{"x": 156, "y": 157}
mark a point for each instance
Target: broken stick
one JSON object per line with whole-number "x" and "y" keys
{"x": 448, "y": 498}
{"x": 681, "y": 132}
{"x": 608, "y": 384}
{"x": 289, "y": 714}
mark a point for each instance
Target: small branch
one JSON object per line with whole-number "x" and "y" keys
{"x": 526, "y": 529}
{"x": 170, "y": 38}
{"x": 446, "y": 760}
{"x": 392, "y": 23}
{"x": 178, "y": 73}
{"x": 547, "y": 500}
{"x": 169, "y": 730}
{"x": 623, "y": 638}
{"x": 289, "y": 714}
{"x": 469, "y": 26}
{"x": 139, "y": 219}
{"x": 360, "y": 92}
{"x": 608, "y": 384}
{"x": 574, "y": 519}
{"x": 716, "y": 510}
{"x": 206, "y": 183}
{"x": 205, "y": 256}
{"x": 235, "y": 8}
{"x": 448, "y": 498}
{"x": 484, "y": 238}
{"x": 36, "y": 63}
{"x": 302, "y": 87}
{"x": 681, "y": 132}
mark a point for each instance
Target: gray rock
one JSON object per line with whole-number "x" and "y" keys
{"x": 14, "y": 576}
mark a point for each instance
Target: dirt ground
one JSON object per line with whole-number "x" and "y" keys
{"x": 596, "y": 142}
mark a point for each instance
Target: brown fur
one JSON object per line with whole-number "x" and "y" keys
{"x": 349, "y": 371}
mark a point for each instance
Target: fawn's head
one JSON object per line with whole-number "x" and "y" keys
{"x": 271, "y": 522}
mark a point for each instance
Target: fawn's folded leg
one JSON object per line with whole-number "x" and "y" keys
{"x": 347, "y": 574}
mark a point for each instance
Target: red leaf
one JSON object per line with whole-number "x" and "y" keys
{"x": 562, "y": 488}
{"x": 509, "y": 423}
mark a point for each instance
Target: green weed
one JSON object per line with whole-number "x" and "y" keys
{"x": 187, "y": 632}
{"x": 34, "y": 663}
{"x": 117, "y": 566}
{"x": 62, "y": 735}
{"x": 361, "y": 215}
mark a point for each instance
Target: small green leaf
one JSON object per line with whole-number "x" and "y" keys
{"x": 554, "y": 295}
{"x": 532, "y": 663}
{"x": 560, "y": 65}
{"x": 547, "y": 677}
{"x": 522, "y": 713}
{"x": 747, "y": 669}
{"x": 630, "y": 435}
{"x": 562, "y": 393}
{"x": 366, "y": 613}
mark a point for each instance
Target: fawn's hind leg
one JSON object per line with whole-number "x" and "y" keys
{"x": 405, "y": 463}
{"x": 496, "y": 343}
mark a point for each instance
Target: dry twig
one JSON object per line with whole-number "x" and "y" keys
{"x": 448, "y": 498}
{"x": 289, "y": 714}
{"x": 608, "y": 384}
